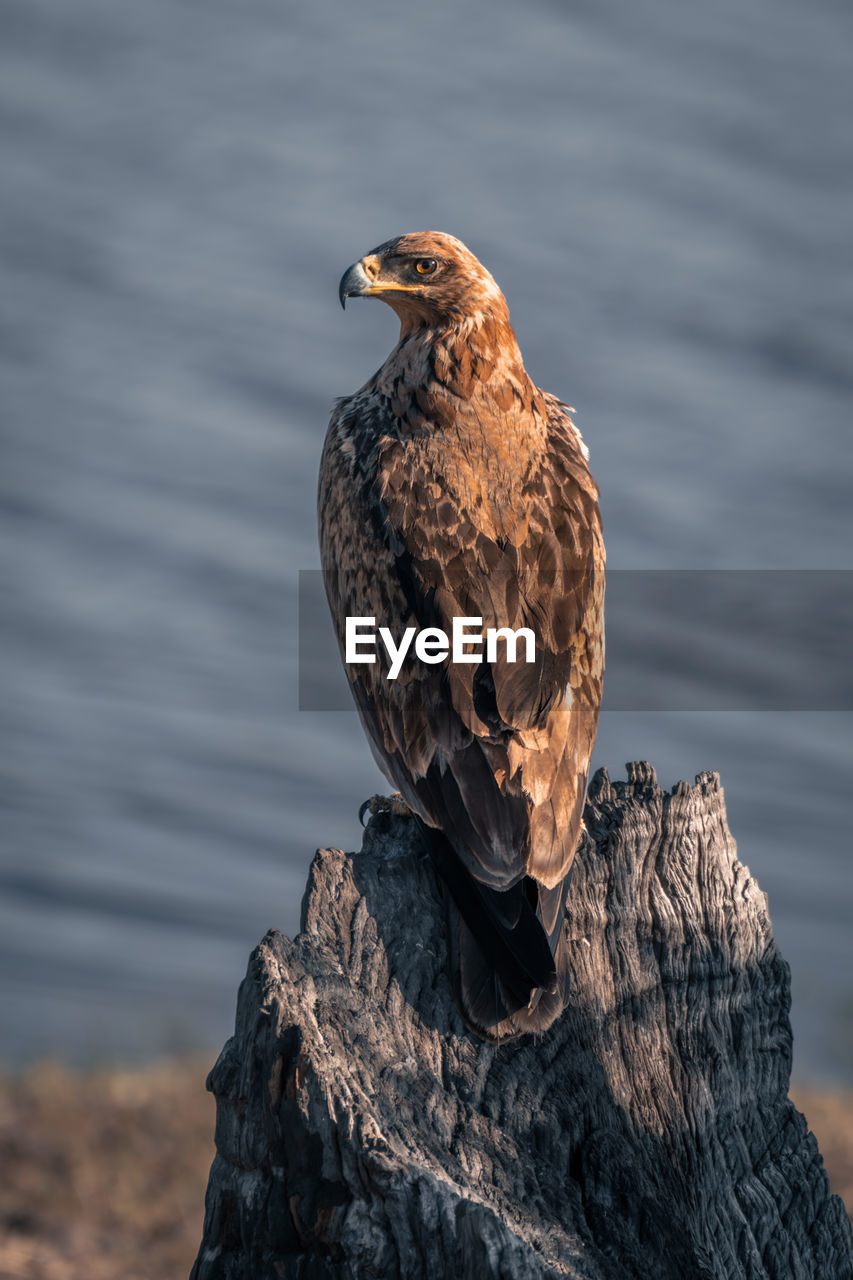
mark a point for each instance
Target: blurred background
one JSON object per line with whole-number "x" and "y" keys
{"x": 664, "y": 194}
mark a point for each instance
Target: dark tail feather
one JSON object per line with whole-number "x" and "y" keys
{"x": 507, "y": 956}
{"x": 489, "y": 1007}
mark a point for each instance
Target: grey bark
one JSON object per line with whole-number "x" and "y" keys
{"x": 363, "y": 1132}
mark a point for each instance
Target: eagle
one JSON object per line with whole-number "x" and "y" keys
{"x": 452, "y": 487}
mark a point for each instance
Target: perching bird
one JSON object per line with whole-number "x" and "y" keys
{"x": 451, "y": 486}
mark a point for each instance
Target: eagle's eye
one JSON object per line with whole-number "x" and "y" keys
{"x": 425, "y": 266}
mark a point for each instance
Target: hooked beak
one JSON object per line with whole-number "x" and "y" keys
{"x": 354, "y": 283}
{"x": 359, "y": 280}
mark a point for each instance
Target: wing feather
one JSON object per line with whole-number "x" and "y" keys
{"x": 494, "y": 754}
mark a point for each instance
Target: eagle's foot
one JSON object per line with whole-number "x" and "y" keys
{"x": 384, "y": 804}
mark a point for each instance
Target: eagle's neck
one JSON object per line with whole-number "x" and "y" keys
{"x": 460, "y": 376}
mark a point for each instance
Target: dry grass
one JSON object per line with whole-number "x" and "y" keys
{"x": 102, "y": 1176}
{"x": 830, "y": 1118}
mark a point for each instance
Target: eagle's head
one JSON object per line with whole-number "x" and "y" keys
{"x": 429, "y": 278}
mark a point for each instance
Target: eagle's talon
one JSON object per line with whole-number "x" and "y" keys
{"x": 384, "y": 804}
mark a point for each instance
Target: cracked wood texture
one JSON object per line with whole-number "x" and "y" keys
{"x": 363, "y": 1132}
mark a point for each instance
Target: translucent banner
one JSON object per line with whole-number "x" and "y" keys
{"x": 676, "y": 640}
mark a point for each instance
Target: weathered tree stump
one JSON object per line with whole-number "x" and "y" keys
{"x": 363, "y": 1132}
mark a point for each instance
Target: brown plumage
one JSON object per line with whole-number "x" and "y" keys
{"x": 451, "y": 486}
